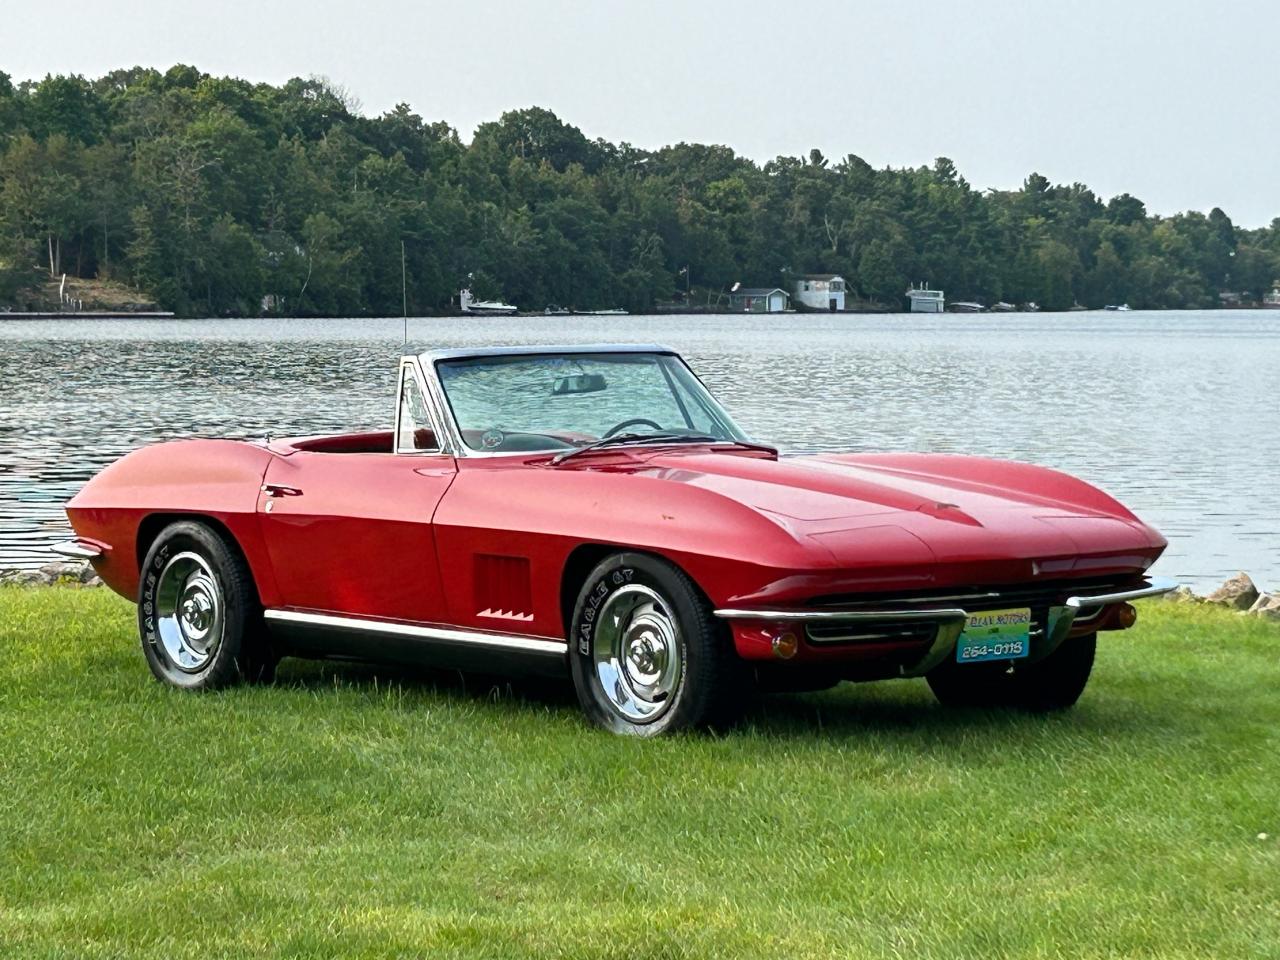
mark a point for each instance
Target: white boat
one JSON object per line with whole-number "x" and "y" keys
{"x": 470, "y": 304}
{"x": 967, "y": 306}
{"x": 1272, "y": 300}
{"x": 924, "y": 300}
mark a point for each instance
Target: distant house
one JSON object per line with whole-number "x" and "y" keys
{"x": 758, "y": 300}
{"x": 821, "y": 291}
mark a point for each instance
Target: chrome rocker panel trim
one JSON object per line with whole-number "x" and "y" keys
{"x": 445, "y": 635}
{"x": 78, "y": 549}
{"x": 951, "y": 619}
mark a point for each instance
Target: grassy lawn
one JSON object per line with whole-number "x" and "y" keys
{"x": 347, "y": 813}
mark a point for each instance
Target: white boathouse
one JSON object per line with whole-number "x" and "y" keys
{"x": 821, "y": 291}
{"x": 924, "y": 300}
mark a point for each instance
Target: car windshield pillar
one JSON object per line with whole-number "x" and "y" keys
{"x": 420, "y": 424}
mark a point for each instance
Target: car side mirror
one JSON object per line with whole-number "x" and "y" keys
{"x": 578, "y": 383}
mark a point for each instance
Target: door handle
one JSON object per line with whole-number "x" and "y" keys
{"x": 280, "y": 490}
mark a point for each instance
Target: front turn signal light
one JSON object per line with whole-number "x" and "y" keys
{"x": 1127, "y": 615}
{"x": 785, "y": 645}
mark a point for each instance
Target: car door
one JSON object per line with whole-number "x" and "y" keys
{"x": 350, "y": 533}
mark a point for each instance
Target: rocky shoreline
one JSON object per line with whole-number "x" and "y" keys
{"x": 1238, "y": 593}
{"x": 62, "y": 572}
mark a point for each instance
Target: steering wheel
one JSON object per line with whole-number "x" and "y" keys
{"x": 633, "y": 422}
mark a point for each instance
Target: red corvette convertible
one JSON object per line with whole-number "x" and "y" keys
{"x": 593, "y": 511}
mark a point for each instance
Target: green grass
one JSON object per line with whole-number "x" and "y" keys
{"x": 348, "y": 813}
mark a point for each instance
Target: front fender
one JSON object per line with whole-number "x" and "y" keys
{"x": 213, "y": 478}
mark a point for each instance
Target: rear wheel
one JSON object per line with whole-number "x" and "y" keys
{"x": 647, "y": 654}
{"x": 198, "y": 612}
{"x": 1054, "y": 683}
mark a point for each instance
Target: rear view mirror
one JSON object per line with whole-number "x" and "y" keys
{"x": 578, "y": 383}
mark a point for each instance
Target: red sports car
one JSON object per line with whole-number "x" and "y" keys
{"x": 593, "y": 511}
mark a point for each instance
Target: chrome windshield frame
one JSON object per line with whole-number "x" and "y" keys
{"x": 439, "y": 400}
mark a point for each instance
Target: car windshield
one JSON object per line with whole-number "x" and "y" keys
{"x": 562, "y": 401}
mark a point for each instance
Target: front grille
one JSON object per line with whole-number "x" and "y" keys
{"x": 870, "y": 631}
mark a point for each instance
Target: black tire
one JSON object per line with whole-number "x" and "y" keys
{"x": 1054, "y": 683}
{"x": 236, "y": 647}
{"x": 712, "y": 685}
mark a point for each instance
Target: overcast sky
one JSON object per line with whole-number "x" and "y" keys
{"x": 1173, "y": 101}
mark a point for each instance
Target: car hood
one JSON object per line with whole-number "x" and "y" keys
{"x": 957, "y": 509}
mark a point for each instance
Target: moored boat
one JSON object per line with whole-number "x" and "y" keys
{"x": 470, "y": 304}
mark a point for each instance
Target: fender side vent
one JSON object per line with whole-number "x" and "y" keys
{"x": 502, "y": 587}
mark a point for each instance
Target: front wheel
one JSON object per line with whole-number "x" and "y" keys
{"x": 647, "y": 654}
{"x": 1054, "y": 683}
{"x": 198, "y": 611}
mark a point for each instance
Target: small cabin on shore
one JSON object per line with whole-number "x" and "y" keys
{"x": 821, "y": 291}
{"x": 758, "y": 300}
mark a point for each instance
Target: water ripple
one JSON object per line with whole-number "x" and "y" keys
{"x": 1177, "y": 414}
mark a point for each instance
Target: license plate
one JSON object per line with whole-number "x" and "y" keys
{"x": 995, "y": 635}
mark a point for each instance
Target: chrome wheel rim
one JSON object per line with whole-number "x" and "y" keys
{"x": 639, "y": 659}
{"x": 189, "y": 612}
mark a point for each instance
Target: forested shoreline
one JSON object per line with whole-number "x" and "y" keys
{"x": 214, "y": 196}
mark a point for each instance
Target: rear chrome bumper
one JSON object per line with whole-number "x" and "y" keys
{"x": 78, "y": 549}
{"x": 949, "y": 620}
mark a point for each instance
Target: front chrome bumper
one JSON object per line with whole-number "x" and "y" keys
{"x": 950, "y": 619}
{"x": 78, "y": 549}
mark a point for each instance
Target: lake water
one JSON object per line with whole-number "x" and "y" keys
{"x": 1177, "y": 414}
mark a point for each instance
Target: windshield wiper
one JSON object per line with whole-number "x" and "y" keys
{"x": 639, "y": 439}
{"x": 621, "y": 439}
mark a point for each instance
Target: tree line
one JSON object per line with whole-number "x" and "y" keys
{"x": 220, "y": 197}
